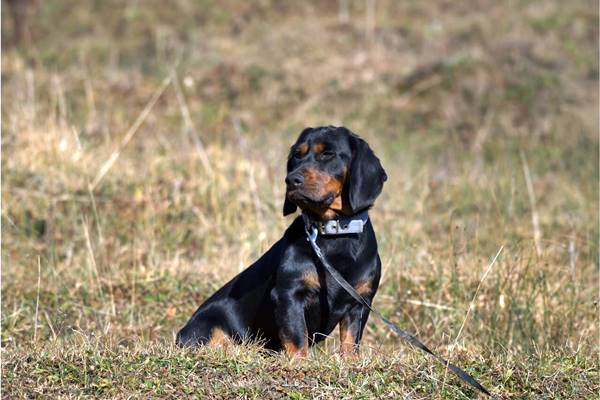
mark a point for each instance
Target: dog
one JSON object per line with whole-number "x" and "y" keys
{"x": 286, "y": 299}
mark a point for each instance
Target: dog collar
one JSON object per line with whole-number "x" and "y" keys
{"x": 340, "y": 226}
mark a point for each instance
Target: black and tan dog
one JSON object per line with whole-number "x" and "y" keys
{"x": 286, "y": 298}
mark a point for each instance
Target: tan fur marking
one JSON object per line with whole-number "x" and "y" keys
{"x": 292, "y": 349}
{"x": 218, "y": 338}
{"x": 317, "y": 180}
{"x": 318, "y": 148}
{"x": 328, "y": 214}
{"x": 303, "y": 148}
{"x": 364, "y": 287}
{"x": 346, "y": 339}
{"x": 333, "y": 185}
{"x": 311, "y": 280}
{"x": 337, "y": 204}
{"x": 321, "y": 184}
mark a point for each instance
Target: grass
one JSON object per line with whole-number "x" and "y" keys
{"x": 484, "y": 115}
{"x": 108, "y": 370}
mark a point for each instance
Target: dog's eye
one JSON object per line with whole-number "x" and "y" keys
{"x": 327, "y": 154}
{"x": 297, "y": 154}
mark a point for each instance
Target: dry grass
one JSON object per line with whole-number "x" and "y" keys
{"x": 484, "y": 114}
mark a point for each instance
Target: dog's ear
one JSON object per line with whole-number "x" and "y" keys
{"x": 288, "y": 206}
{"x": 366, "y": 176}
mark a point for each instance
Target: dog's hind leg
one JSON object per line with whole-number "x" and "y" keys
{"x": 202, "y": 331}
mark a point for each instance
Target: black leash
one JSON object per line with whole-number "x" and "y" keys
{"x": 312, "y": 239}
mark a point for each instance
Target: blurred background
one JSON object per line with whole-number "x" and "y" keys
{"x": 144, "y": 147}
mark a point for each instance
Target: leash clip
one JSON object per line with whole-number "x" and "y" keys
{"x": 311, "y": 232}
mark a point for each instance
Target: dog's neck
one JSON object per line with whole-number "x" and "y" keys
{"x": 338, "y": 226}
{"x": 339, "y": 208}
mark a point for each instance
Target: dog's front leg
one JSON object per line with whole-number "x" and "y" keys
{"x": 291, "y": 324}
{"x": 352, "y": 326}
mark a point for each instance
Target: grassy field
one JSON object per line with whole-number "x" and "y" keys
{"x": 143, "y": 158}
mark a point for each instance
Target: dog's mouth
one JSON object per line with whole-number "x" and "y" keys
{"x": 300, "y": 198}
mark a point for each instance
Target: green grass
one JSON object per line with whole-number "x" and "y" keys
{"x": 90, "y": 368}
{"x": 123, "y": 266}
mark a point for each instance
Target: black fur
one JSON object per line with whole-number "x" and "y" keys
{"x": 272, "y": 300}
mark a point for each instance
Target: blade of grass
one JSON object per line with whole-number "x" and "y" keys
{"x": 131, "y": 132}
{"x": 471, "y": 303}
{"x": 37, "y": 301}
{"x": 190, "y": 127}
{"x": 535, "y": 217}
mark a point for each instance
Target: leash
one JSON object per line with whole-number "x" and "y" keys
{"x": 312, "y": 232}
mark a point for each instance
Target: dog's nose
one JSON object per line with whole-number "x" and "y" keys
{"x": 294, "y": 180}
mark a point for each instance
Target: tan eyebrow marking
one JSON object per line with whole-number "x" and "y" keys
{"x": 318, "y": 148}
{"x": 303, "y": 148}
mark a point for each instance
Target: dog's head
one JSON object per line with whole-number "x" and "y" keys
{"x": 331, "y": 172}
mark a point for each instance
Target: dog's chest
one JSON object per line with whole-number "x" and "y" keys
{"x": 325, "y": 301}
